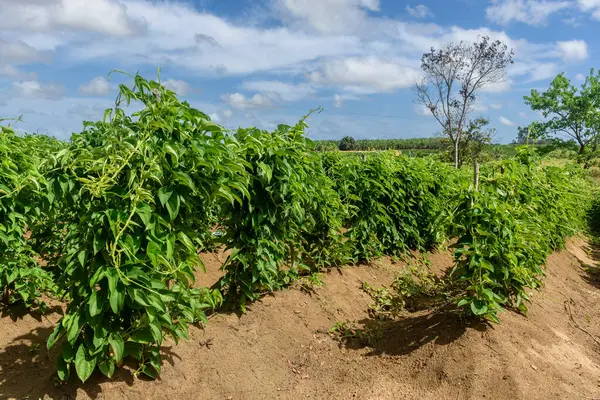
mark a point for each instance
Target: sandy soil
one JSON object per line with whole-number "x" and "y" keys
{"x": 281, "y": 349}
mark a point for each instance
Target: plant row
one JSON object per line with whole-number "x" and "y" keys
{"x": 120, "y": 212}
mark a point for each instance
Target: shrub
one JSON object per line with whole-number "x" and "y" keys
{"x": 139, "y": 190}
{"x": 347, "y": 143}
{"x": 288, "y": 223}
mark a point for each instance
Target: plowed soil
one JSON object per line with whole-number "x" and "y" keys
{"x": 281, "y": 349}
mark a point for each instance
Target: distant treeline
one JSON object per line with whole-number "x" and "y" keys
{"x": 387, "y": 144}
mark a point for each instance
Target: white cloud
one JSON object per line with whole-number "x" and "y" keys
{"x": 534, "y": 70}
{"x": 19, "y": 52}
{"x": 277, "y": 90}
{"x": 480, "y": 107}
{"x": 419, "y": 11}
{"x": 240, "y": 102}
{"x": 178, "y": 86}
{"x": 338, "y": 101}
{"x": 532, "y": 12}
{"x": 523, "y": 115}
{"x": 331, "y": 16}
{"x": 98, "y": 86}
{"x": 505, "y": 121}
{"x": 592, "y": 6}
{"x": 573, "y": 50}
{"x": 15, "y": 73}
{"x": 36, "y": 89}
{"x": 580, "y": 77}
{"x": 109, "y": 17}
{"x": 227, "y": 113}
{"x": 365, "y": 75}
{"x": 496, "y": 106}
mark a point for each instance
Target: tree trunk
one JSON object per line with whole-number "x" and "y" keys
{"x": 476, "y": 174}
{"x": 456, "y": 153}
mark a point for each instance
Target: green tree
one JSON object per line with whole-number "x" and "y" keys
{"x": 347, "y": 143}
{"x": 571, "y": 111}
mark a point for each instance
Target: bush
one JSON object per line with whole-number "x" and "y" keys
{"x": 347, "y": 143}
{"x": 507, "y": 229}
{"x": 289, "y": 221}
{"x": 22, "y": 280}
{"x": 139, "y": 189}
{"x": 394, "y": 203}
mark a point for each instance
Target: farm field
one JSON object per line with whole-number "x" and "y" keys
{"x": 281, "y": 348}
{"x": 156, "y": 255}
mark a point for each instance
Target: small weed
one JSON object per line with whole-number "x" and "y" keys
{"x": 309, "y": 283}
{"x": 347, "y": 331}
{"x": 34, "y": 348}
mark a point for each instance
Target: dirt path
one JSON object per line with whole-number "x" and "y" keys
{"x": 280, "y": 348}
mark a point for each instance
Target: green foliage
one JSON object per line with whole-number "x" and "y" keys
{"x": 139, "y": 189}
{"x": 288, "y": 222}
{"x": 506, "y": 230}
{"x": 347, "y": 143}
{"x": 571, "y": 111}
{"x": 386, "y": 144}
{"x": 393, "y": 202}
{"x": 22, "y": 280}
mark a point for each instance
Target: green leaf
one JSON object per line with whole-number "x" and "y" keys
{"x": 478, "y": 307}
{"x": 74, "y": 328}
{"x": 94, "y": 304}
{"x": 144, "y": 211}
{"x": 118, "y": 346}
{"x": 55, "y": 335}
{"x": 84, "y": 364}
{"x": 143, "y": 335}
{"x": 116, "y": 299}
{"x": 62, "y": 369}
{"x": 164, "y": 194}
{"x": 173, "y": 206}
{"x": 107, "y": 367}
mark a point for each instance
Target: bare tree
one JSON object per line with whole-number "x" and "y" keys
{"x": 453, "y": 75}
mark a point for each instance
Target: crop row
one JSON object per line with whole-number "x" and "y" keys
{"x": 120, "y": 212}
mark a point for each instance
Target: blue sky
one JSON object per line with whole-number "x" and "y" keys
{"x": 261, "y": 63}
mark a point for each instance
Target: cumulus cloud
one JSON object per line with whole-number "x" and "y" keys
{"x": 277, "y": 90}
{"x": 365, "y": 75}
{"x": 505, "y": 121}
{"x": 419, "y": 11}
{"x": 98, "y": 86}
{"x": 178, "y": 86}
{"x": 331, "y": 16}
{"x": 36, "y": 89}
{"x": 590, "y": 6}
{"x": 532, "y": 12}
{"x": 100, "y": 16}
{"x": 240, "y": 102}
{"x": 573, "y": 50}
{"x": 580, "y": 77}
{"x": 19, "y": 52}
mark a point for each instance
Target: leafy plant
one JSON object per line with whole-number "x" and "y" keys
{"x": 139, "y": 189}
{"x": 521, "y": 213}
{"x": 22, "y": 279}
{"x": 289, "y": 221}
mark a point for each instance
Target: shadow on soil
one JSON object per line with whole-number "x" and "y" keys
{"x": 27, "y": 371}
{"x": 403, "y": 336}
{"x": 592, "y": 272}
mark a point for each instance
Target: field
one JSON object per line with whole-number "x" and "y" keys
{"x": 157, "y": 255}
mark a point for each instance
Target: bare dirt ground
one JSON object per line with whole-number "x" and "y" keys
{"x": 281, "y": 349}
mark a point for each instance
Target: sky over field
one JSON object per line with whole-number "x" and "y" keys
{"x": 262, "y": 63}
